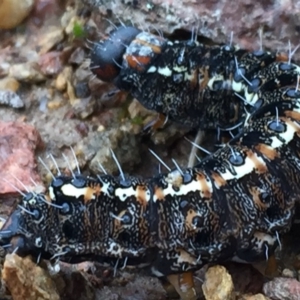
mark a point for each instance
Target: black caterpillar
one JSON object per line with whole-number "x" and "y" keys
{"x": 193, "y": 84}
{"x": 233, "y": 205}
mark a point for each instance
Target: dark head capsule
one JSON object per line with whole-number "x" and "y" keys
{"x": 106, "y": 56}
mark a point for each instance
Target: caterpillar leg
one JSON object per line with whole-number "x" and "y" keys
{"x": 155, "y": 124}
{"x": 184, "y": 285}
{"x": 169, "y": 289}
{"x": 271, "y": 269}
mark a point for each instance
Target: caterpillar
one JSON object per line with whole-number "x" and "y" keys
{"x": 200, "y": 86}
{"x": 233, "y": 205}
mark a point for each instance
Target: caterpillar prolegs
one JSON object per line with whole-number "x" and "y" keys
{"x": 233, "y": 205}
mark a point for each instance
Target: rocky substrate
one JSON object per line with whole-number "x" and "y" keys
{"x": 22, "y": 279}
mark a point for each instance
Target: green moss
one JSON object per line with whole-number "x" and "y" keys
{"x": 138, "y": 120}
{"x": 79, "y": 31}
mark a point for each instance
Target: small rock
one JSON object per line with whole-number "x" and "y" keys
{"x": 77, "y": 57}
{"x": 121, "y": 141}
{"x": 42, "y": 95}
{"x": 71, "y": 93}
{"x": 253, "y": 297}
{"x": 4, "y": 68}
{"x": 83, "y": 73}
{"x": 82, "y": 128}
{"x": 168, "y": 135}
{"x": 50, "y": 63}
{"x": 11, "y": 99}
{"x": 9, "y": 83}
{"x": 48, "y": 40}
{"x": 42, "y": 10}
{"x": 28, "y": 72}
{"x": 73, "y": 280}
{"x": 60, "y": 82}
{"x": 136, "y": 109}
{"x": 218, "y": 284}
{"x": 83, "y": 108}
{"x": 55, "y": 104}
{"x": 246, "y": 278}
{"x": 63, "y": 78}
{"x": 288, "y": 273}
{"x": 82, "y": 90}
{"x": 282, "y": 289}
{"x": 18, "y": 142}
{"x": 25, "y": 280}
{"x": 13, "y": 12}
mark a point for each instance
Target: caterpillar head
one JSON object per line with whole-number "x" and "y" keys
{"x": 106, "y": 56}
{"x": 125, "y": 54}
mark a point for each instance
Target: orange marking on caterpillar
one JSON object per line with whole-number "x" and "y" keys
{"x": 89, "y": 195}
{"x": 292, "y": 114}
{"x": 267, "y": 151}
{"x": 282, "y": 57}
{"x": 159, "y": 193}
{"x": 156, "y": 49}
{"x": 194, "y": 79}
{"x": 218, "y": 179}
{"x": 255, "y": 192}
{"x": 205, "y": 79}
{"x": 141, "y": 195}
{"x": 189, "y": 219}
{"x": 259, "y": 166}
{"x": 204, "y": 187}
{"x": 138, "y": 62}
{"x": 294, "y": 125}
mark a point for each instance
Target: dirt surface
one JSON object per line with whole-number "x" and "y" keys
{"x": 46, "y": 85}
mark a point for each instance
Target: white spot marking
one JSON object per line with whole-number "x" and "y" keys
{"x": 72, "y": 191}
{"x": 152, "y": 69}
{"x": 166, "y": 71}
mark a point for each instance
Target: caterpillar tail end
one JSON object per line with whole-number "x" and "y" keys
{"x": 10, "y": 238}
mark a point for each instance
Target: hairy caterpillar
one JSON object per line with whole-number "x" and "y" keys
{"x": 193, "y": 84}
{"x": 234, "y": 205}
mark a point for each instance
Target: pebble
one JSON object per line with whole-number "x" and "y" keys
{"x": 9, "y": 83}
{"x": 18, "y": 144}
{"x": 253, "y": 297}
{"x": 288, "y": 273}
{"x": 27, "y": 72}
{"x": 13, "y": 12}
{"x": 60, "y": 82}
{"x": 55, "y": 104}
{"x": 25, "y": 280}
{"x": 282, "y": 289}
{"x": 11, "y": 99}
{"x": 218, "y": 284}
{"x": 50, "y": 63}
{"x": 63, "y": 78}
{"x": 52, "y": 37}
